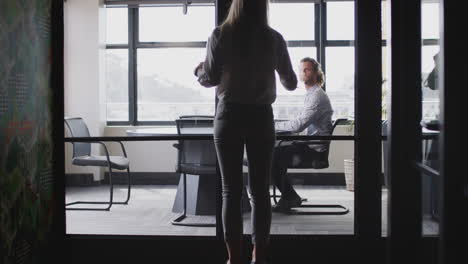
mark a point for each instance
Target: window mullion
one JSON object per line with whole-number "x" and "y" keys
{"x": 322, "y": 36}
{"x": 132, "y": 65}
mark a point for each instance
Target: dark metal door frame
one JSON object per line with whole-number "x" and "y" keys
{"x": 368, "y": 100}
{"x": 405, "y": 203}
{"x": 367, "y": 145}
{"x": 454, "y": 208}
{"x": 406, "y": 242}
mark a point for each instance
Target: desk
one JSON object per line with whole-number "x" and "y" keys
{"x": 169, "y": 131}
{"x": 201, "y": 196}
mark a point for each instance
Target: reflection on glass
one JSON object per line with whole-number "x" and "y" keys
{"x": 386, "y": 96}
{"x": 167, "y": 87}
{"x": 430, "y": 71}
{"x": 340, "y": 20}
{"x": 117, "y": 84}
{"x": 164, "y": 23}
{"x": 295, "y": 21}
{"x": 385, "y": 19}
{"x": 429, "y": 76}
{"x": 340, "y": 80}
{"x": 116, "y": 25}
{"x": 289, "y": 103}
{"x": 430, "y": 20}
{"x": 385, "y": 82}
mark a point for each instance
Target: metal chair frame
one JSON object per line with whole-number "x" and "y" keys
{"x": 111, "y": 185}
{"x": 179, "y": 219}
{"x": 340, "y": 209}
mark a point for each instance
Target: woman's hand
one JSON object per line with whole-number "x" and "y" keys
{"x": 199, "y": 66}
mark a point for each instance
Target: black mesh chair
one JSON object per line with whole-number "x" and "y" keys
{"x": 82, "y": 157}
{"x": 195, "y": 157}
{"x": 303, "y": 161}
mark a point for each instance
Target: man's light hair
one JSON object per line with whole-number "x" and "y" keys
{"x": 317, "y": 68}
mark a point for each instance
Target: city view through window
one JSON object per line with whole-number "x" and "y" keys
{"x": 165, "y": 83}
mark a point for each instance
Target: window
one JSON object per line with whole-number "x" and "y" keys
{"x": 117, "y": 26}
{"x": 162, "y": 49}
{"x": 117, "y": 65}
{"x": 340, "y": 80}
{"x": 430, "y": 38}
{"x": 166, "y": 85}
{"x": 153, "y": 50}
{"x": 340, "y": 20}
{"x": 301, "y": 25}
{"x": 296, "y": 22}
{"x": 339, "y": 57}
{"x": 167, "y": 90}
{"x": 117, "y": 84}
{"x": 196, "y": 25}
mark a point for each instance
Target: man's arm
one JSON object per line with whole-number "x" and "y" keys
{"x": 308, "y": 115}
{"x": 209, "y": 72}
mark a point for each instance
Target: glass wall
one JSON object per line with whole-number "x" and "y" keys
{"x": 386, "y": 99}
{"x": 430, "y": 70}
{"x": 117, "y": 65}
{"x": 309, "y": 34}
{"x": 175, "y": 45}
{"x": 151, "y": 54}
{"x": 167, "y": 37}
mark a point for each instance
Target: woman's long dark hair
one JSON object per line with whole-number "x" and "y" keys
{"x": 244, "y": 22}
{"x": 247, "y": 13}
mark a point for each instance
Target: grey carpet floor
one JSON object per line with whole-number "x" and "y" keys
{"x": 150, "y": 213}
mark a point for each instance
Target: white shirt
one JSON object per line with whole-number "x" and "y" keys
{"x": 315, "y": 116}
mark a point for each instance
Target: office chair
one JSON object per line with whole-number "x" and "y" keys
{"x": 195, "y": 157}
{"x": 82, "y": 157}
{"x": 304, "y": 162}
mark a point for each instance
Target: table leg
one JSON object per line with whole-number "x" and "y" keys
{"x": 201, "y": 196}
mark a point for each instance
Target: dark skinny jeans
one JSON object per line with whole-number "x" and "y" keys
{"x": 237, "y": 125}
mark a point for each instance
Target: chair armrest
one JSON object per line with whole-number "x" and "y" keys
{"x": 122, "y": 146}
{"x": 97, "y": 142}
{"x": 310, "y": 143}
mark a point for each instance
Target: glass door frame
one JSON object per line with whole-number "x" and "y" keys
{"x": 368, "y": 217}
{"x": 405, "y": 240}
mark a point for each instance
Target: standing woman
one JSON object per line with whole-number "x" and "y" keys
{"x": 242, "y": 56}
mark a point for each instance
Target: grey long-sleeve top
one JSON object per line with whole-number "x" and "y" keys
{"x": 315, "y": 116}
{"x": 244, "y": 72}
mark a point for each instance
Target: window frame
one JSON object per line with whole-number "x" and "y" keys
{"x": 320, "y": 42}
{"x": 133, "y": 45}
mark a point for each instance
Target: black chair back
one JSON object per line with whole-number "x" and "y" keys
{"x": 304, "y": 161}
{"x": 195, "y": 152}
{"x": 78, "y": 128}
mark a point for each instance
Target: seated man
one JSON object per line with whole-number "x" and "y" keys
{"x": 316, "y": 118}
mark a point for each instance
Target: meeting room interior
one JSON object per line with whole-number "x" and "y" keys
{"x": 133, "y": 171}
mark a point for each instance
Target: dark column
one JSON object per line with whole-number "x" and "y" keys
{"x": 454, "y": 208}
{"x": 404, "y": 205}
{"x": 368, "y": 93}
{"x": 58, "y": 249}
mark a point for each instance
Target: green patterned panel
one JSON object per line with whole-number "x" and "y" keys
{"x": 25, "y": 129}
